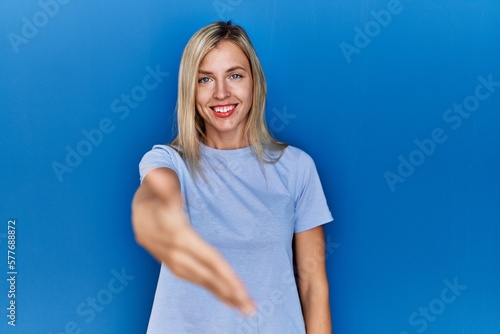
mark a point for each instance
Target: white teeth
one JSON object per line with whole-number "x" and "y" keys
{"x": 224, "y": 109}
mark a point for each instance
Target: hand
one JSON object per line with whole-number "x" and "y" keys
{"x": 166, "y": 233}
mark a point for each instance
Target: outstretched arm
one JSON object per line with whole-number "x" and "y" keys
{"x": 162, "y": 228}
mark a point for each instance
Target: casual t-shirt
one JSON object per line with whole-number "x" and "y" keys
{"x": 249, "y": 211}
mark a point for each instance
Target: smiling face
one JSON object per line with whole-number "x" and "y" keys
{"x": 224, "y": 92}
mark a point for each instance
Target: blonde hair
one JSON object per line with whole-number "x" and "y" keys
{"x": 190, "y": 125}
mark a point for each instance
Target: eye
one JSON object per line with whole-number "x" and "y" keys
{"x": 204, "y": 80}
{"x": 236, "y": 76}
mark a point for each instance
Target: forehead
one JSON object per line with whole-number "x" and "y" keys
{"x": 225, "y": 54}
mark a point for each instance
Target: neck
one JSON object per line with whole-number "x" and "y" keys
{"x": 225, "y": 142}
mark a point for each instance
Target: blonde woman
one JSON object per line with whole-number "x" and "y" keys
{"x": 232, "y": 214}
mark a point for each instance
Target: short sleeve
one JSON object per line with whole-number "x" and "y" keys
{"x": 160, "y": 156}
{"x": 311, "y": 208}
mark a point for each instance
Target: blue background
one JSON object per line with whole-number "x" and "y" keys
{"x": 394, "y": 247}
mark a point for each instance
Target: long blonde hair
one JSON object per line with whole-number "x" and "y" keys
{"x": 191, "y": 127}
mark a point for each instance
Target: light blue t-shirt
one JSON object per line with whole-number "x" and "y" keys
{"x": 250, "y": 216}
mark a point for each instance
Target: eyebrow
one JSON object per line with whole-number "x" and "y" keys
{"x": 234, "y": 68}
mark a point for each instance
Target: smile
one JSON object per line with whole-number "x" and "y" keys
{"x": 224, "y": 111}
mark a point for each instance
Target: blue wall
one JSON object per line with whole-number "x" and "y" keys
{"x": 398, "y": 102}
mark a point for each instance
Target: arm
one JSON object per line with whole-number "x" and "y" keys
{"x": 162, "y": 228}
{"x": 312, "y": 280}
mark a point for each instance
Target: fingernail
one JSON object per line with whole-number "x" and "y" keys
{"x": 248, "y": 309}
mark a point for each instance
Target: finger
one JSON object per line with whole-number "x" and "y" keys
{"x": 189, "y": 257}
{"x": 220, "y": 279}
{"x": 205, "y": 266}
{"x": 188, "y": 267}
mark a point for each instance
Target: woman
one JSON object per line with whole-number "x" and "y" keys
{"x": 221, "y": 205}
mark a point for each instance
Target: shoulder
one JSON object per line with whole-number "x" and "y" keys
{"x": 167, "y": 148}
{"x": 162, "y": 151}
{"x": 295, "y": 167}
{"x": 161, "y": 156}
{"x": 296, "y": 156}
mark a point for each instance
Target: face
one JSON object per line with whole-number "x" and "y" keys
{"x": 224, "y": 95}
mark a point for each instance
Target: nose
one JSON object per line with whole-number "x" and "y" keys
{"x": 221, "y": 91}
